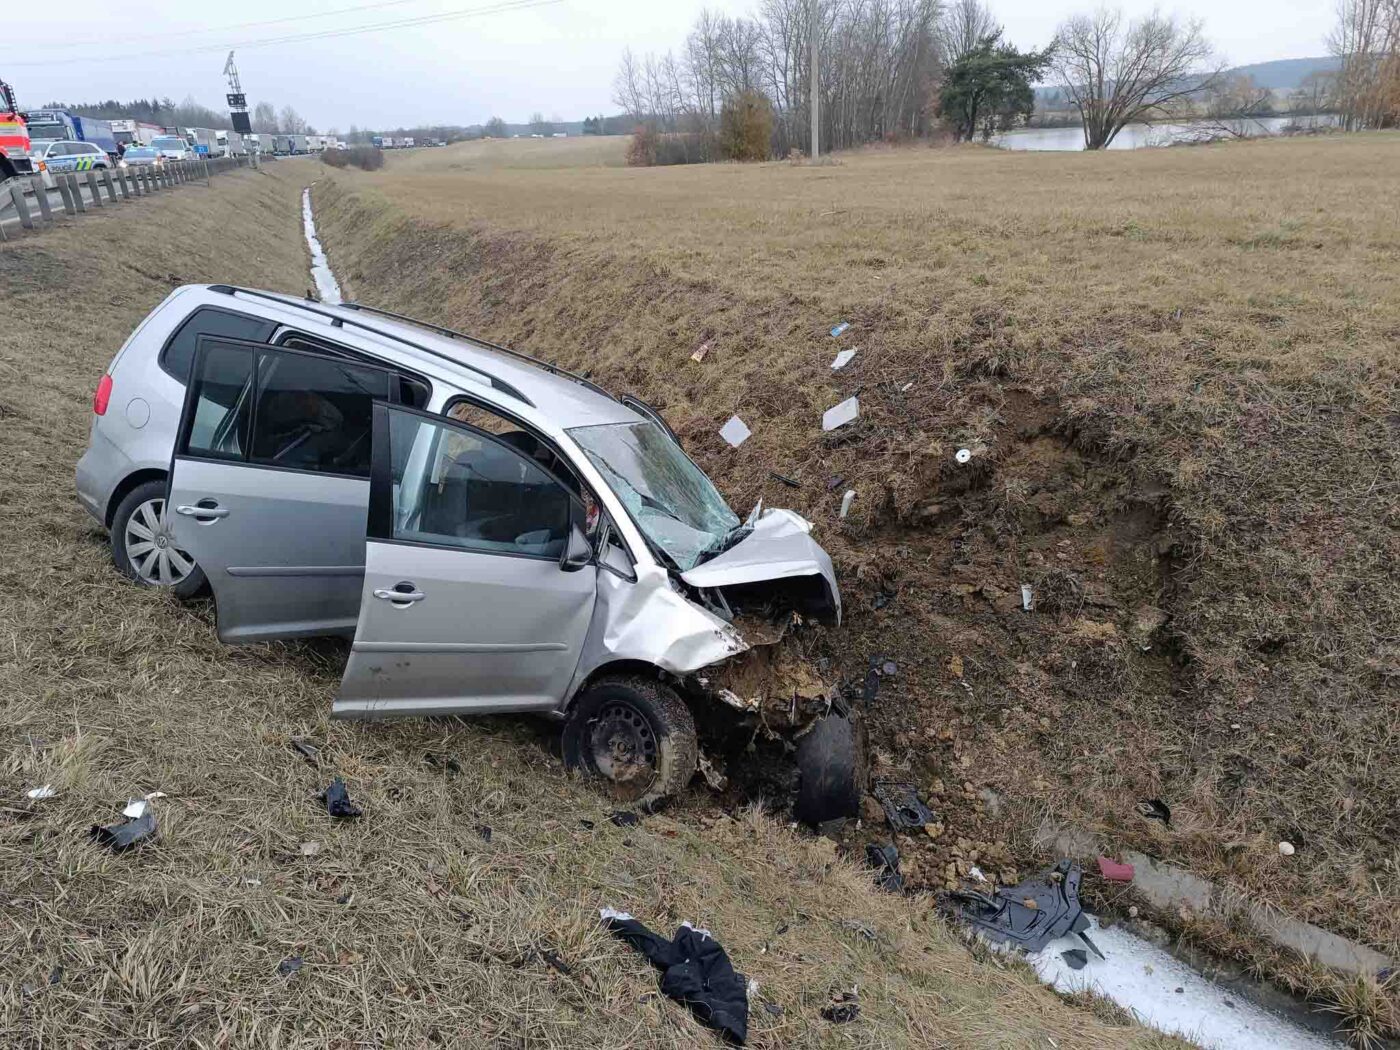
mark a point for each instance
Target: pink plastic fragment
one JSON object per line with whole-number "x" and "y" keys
{"x": 1115, "y": 871}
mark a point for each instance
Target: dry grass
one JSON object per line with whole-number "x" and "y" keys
{"x": 1178, "y": 370}
{"x": 414, "y": 929}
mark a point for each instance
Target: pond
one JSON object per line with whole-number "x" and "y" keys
{"x": 1136, "y": 136}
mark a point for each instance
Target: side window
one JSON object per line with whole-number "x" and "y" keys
{"x": 314, "y": 413}
{"x": 222, "y": 403}
{"x": 412, "y": 391}
{"x": 468, "y": 489}
{"x": 179, "y": 352}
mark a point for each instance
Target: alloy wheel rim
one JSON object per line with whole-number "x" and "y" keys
{"x": 151, "y": 550}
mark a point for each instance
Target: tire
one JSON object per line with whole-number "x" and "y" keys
{"x": 831, "y": 768}
{"x": 126, "y": 536}
{"x": 628, "y": 713}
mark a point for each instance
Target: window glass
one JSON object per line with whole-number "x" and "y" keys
{"x": 413, "y": 392}
{"x": 222, "y": 403}
{"x": 313, "y": 413}
{"x": 207, "y": 321}
{"x": 470, "y": 490}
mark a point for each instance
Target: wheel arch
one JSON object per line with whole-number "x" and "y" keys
{"x": 131, "y": 481}
{"x": 616, "y": 669}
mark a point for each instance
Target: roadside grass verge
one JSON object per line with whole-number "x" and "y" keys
{"x": 413, "y": 928}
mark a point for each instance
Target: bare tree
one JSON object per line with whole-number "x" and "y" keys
{"x": 1115, "y": 74}
{"x": 539, "y": 126}
{"x": 1235, "y": 105}
{"x": 963, "y": 26}
{"x": 1366, "y": 40}
{"x": 265, "y": 119}
{"x": 291, "y": 122}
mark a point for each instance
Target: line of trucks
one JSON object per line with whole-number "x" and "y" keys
{"x": 20, "y": 130}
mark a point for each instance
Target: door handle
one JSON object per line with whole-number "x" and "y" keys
{"x": 398, "y": 596}
{"x": 203, "y": 513}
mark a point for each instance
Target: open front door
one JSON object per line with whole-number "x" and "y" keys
{"x": 269, "y": 485}
{"x": 471, "y": 600}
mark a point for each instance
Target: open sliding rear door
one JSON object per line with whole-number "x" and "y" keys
{"x": 270, "y": 485}
{"x": 466, "y": 607}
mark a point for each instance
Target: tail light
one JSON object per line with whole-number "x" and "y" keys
{"x": 103, "y": 395}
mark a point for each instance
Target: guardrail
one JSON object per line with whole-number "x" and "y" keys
{"x": 117, "y": 184}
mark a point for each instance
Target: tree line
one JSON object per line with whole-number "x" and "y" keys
{"x": 1366, "y": 42}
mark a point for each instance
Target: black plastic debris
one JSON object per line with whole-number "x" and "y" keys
{"x": 789, "y": 482}
{"x": 625, "y": 818}
{"x": 835, "y": 482}
{"x": 1077, "y": 958}
{"x": 126, "y": 834}
{"x": 871, "y": 690}
{"x": 842, "y": 1009}
{"x": 587, "y": 825}
{"x": 307, "y": 750}
{"x": 882, "y": 599}
{"x": 1156, "y": 809}
{"x": 56, "y": 974}
{"x": 1032, "y": 914}
{"x": 289, "y": 966}
{"x": 774, "y": 1009}
{"x": 338, "y": 802}
{"x": 903, "y": 808}
{"x": 555, "y": 963}
{"x": 695, "y": 970}
{"x": 885, "y": 861}
{"x": 446, "y": 763}
{"x": 484, "y": 830}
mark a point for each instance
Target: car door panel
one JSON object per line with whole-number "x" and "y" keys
{"x": 471, "y": 623}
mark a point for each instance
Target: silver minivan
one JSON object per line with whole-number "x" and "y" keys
{"x": 495, "y": 535}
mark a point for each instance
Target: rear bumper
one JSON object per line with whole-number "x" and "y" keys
{"x": 98, "y": 473}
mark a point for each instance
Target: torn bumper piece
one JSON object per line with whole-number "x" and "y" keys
{"x": 1029, "y": 915}
{"x": 773, "y": 679}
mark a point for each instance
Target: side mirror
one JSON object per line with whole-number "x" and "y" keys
{"x": 578, "y": 552}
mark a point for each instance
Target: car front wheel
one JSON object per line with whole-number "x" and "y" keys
{"x": 637, "y": 736}
{"x": 143, "y": 547}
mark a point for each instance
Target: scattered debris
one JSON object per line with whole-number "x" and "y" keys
{"x": 735, "y": 432}
{"x": 555, "y": 963}
{"x": 843, "y": 359}
{"x": 38, "y": 794}
{"x": 289, "y": 966}
{"x": 714, "y": 776}
{"x": 963, "y": 455}
{"x": 863, "y": 928}
{"x": 789, "y": 482}
{"x": 774, "y": 1009}
{"x": 135, "y": 808}
{"x": 56, "y": 974}
{"x": 835, "y": 482}
{"x": 882, "y": 599}
{"x": 695, "y": 970}
{"x": 445, "y": 762}
{"x": 587, "y": 825}
{"x": 903, "y": 808}
{"x": 840, "y": 415}
{"x": 888, "y": 669}
{"x": 307, "y": 750}
{"x": 1075, "y": 958}
{"x": 701, "y": 351}
{"x": 338, "y": 802}
{"x": 310, "y": 849}
{"x": 1027, "y": 598}
{"x": 1155, "y": 809}
{"x": 1286, "y": 849}
{"x": 846, "y": 501}
{"x": 885, "y": 861}
{"x": 125, "y": 835}
{"x": 872, "y": 682}
{"x": 625, "y": 818}
{"x": 840, "y": 329}
{"x": 1115, "y": 871}
{"x": 1032, "y": 914}
{"x": 843, "y": 1008}
{"x": 484, "y": 830}
{"x": 975, "y": 872}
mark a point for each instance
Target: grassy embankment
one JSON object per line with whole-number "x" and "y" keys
{"x": 1177, "y": 370}
{"x": 414, "y": 929}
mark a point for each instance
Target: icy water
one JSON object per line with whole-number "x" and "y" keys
{"x": 327, "y": 287}
{"x": 1137, "y": 136}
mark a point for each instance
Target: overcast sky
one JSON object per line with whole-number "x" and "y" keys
{"x": 558, "y": 57}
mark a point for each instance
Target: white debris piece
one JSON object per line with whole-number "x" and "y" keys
{"x": 39, "y": 793}
{"x": 963, "y": 455}
{"x": 976, "y": 873}
{"x": 846, "y": 501}
{"x": 135, "y": 808}
{"x": 843, "y": 358}
{"x": 735, "y": 432}
{"x": 613, "y": 913}
{"x": 1027, "y": 598}
{"x": 840, "y": 415}
{"x": 1286, "y": 849}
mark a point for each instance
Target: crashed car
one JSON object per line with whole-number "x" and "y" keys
{"x": 494, "y": 533}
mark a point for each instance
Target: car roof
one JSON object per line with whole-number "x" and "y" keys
{"x": 563, "y": 399}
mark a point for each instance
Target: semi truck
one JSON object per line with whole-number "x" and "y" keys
{"x": 60, "y": 124}
{"x": 230, "y": 144}
{"x": 408, "y": 143}
{"x": 135, "y": 132}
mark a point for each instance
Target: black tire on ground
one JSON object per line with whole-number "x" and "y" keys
{"x": 614, "y": 716}
{"x": 831, "y": 768}
{"x": 154, "y": 489}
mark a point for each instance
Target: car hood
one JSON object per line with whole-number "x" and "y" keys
{"x": 779, "y": 548}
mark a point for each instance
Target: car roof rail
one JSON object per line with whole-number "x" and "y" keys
{"x": 310, "y": 306}
{"x": 454, "y": 334}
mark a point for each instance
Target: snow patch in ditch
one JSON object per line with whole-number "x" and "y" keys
{"x": 1166, "y": 994}
{"x": 326, "y": 285}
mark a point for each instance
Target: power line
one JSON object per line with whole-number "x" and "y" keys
{"x": 378, "y": 27}
{"x": 69, "y": 43}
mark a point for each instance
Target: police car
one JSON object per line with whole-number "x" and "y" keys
{"x": 55, "y": 156}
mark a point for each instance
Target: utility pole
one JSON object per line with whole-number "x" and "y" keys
{"x": 816, "y": 96}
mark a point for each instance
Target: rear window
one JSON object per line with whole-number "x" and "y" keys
{"x": 179, "y": 352}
